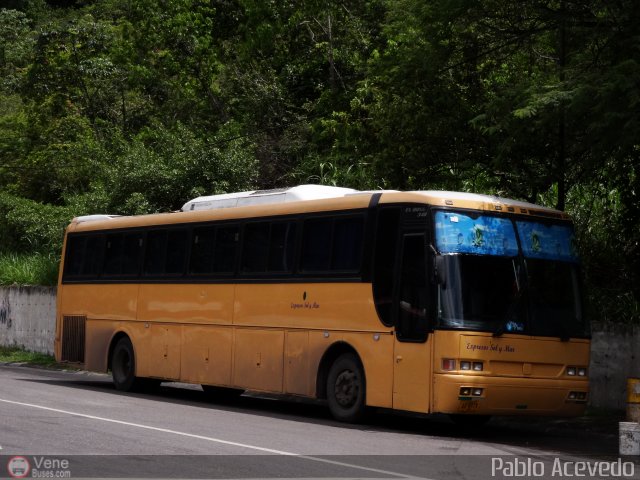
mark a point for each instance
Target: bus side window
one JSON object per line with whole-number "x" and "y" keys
{"x": 154, "y": 256}
{"x": 386, "y": 250}
{"x": 281, "y": 247}
{"x": 268, "y": 247}
{"x": 226, "y": 249}
{"x": 93, "y": 256}
{"x": 412, "y": 301}
{"x": 347, "y": 244}
{"x": 113, "y": 254}
{"x": 176, "y": 252}
{"x": 166, "y": 252}
{"x": 316, "y": 245}
{"x": 83, "y": 258}
{"x": 255, "y": 247}
{"x": 75, "y": 256}
{"x": 332, "y": 244}
{"x": 123, "y": 254}
{"x": 201, "y": 261}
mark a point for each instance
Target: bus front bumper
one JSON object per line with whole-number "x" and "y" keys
{"x": 485, "y": 395}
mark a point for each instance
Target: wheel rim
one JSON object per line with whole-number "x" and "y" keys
{"x": 347, "y": 388}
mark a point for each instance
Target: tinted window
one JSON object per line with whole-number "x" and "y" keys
{"x": 224, "y": 257}
{"x": 255, "y": 247}
{"x": 202, "y": 250}
{"x": 93, "y": 255}
{"x": 268, "y": 247}
{"x": 412, "y": 305}
{"x": 282, "y": 247}
{"x": 166, "y": 252}
{"x": 84, "y": 254}
{"x": 176, "y": 253}
{"x": 154, "y": 257}
{"x": 332, "y": 244}
{"x": 123, "y": 253}
{"x": 385, "y": 256}
{"x": 113, "y": 254}
{"x": 75, "y": 256}
{"x": 347, "y": 244}
{"x": 316, "y": 245}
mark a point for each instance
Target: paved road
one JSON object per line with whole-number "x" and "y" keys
{"x": 178, "y": 432}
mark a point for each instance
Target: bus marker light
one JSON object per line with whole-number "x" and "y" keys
{"x": 477, "y": 366}
{"x": 448, "y": 364}
{"x": 465, "y": 365}
{"x": 376, "y": 337}
{"x": 326, "y": 334}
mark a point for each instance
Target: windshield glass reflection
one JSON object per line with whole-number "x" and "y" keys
{"x": 487, "y": 283}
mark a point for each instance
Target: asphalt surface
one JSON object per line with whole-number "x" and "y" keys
{"x": 178, "y": 432}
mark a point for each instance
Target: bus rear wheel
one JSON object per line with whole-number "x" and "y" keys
{"x": 346, "y": 389}
{"x": 123, "y": 366}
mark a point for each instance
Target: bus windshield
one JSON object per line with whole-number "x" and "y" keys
{"x": 507, "y": 276}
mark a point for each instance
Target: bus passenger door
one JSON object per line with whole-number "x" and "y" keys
{"x": 412, "y": 345}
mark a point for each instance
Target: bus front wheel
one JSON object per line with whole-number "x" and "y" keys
{"x": 346, "y": 389}
{"x": 123, "y": 365}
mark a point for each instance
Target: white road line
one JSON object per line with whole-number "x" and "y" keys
{"x": 209, "y": 439}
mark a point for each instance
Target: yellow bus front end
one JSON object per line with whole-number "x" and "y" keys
{"x": 510, "y": 335}
{"x": 476, "y": 373}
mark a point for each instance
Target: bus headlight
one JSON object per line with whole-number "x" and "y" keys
{"x": 471, "y": 392}
{"x": 571, "y": 371}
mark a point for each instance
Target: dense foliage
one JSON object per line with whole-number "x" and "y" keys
{"x": 127, "y": 107}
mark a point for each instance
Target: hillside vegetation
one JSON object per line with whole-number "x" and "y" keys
{"x": 129, "y": 107}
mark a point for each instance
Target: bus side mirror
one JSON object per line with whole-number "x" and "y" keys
{"x": 440, "y": 271}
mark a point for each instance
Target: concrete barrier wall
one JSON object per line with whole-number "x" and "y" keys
{"x": 615, "y": 356}
{"x": 27, "y": 319}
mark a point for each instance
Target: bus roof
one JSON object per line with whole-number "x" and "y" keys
{"x": 263, "y": 197}
{"x": 301, "y": 199}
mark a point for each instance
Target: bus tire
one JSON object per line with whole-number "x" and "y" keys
{"x": 346, "y": 389}
{"x": 123, "y": 366}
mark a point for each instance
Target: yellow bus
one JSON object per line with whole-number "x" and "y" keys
{"x": 426, "y": 301}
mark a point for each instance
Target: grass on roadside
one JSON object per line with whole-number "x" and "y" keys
{"x": 19, "y": 355}
{"x": 31, "y": 269}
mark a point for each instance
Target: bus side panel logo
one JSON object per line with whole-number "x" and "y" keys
{"x": 18, "y": 467}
